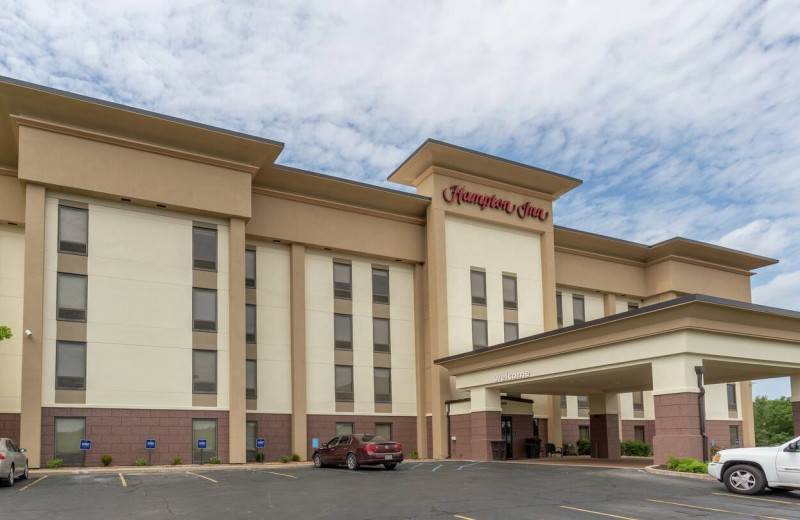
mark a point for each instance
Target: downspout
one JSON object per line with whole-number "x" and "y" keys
{"x": 701, "y": 398}
{"x": 449, "y": 439}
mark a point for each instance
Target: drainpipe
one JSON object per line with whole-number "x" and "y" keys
{"x": 701, "y": 398}
{"x": 449, "y": 439}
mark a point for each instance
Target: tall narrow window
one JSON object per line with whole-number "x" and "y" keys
{"x": 380, "y": 335}
{"x": 73, "y": 230}
{"x": 583, "y": 402}
{"x": 345, "y": 428}
{"x": 342, "y": 281}
{"x": 205, "y": 429}
{"x": 384, "y": 430}
{"x": 511, "y": 331}
{"x": 204, "y": 248}
{"x": 563, "y": 402}
{"x": 632, "y": 306}
{"x": 509, "y": 292}
{"x": 383, "y": 385}
{"x": 477, "y": 281}
{"x": 69, "y": 433}
{"x": 583, "y": 432}
{"x": 734, "y": 431}
{"x": 638, "y": 433}
{"x": 479, "y": 334}
{"x": 204, "y": 371}
{"x": 204, "y": 310}
{"x": 638, "y": 401}
{"x": 71, "y": 297}
{"x": 344, "y": 383}
{"x": 732, "y": 407}
{"x": 250, "y": 315}
{"x": 578, "y": 309}
{"x": 343, "y": 331}
{"x": 380, "y": 285}
{"x": 70, "y": 365}
{"x": 559, "y": 310}
{"x": 250, "y": 269}
{"x": 251, "y": 376}
{"x": 252, "y": 435}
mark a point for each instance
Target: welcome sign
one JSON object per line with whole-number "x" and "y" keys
{"x": 461, "y": 195}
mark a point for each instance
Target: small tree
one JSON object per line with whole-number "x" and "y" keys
{"x": 773, "y": 420}
{"x": 5, "y": 332}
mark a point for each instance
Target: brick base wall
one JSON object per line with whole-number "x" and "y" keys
{"x": 429, "y": 420}
{"x": 628, "y": 433}
{"x": 121, "y": 433}
{"x": 720, "y": 432}
{"x": 485, "y": 430}
{"x": 9, "y": 426}
{"x": 604, "y": 436}
{"x": 521, "y": 429}
{"x": 323, "y": 427}
{"x": 677, "y": 427}
{"x": 461, "y": 428}
{"x": 276, "y": 430}
{"x": 569, "y": 430}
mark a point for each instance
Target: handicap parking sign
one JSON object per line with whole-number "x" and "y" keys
{"x": 86, "y": 445}
{"x": 315, "y": 442}
{"x": 150, "y": 444}
{"x": 201, "y": 444}
{"x": 261, "y": 443}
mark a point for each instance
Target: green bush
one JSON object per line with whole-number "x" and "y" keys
{"x": 687, "y": 465}
{"x": 106, "y": 460}
{"x": 55, "y": 463}
{"x": 636, "y": 449}
{"x": 177, "y": 461}
{"x": 295, "y": 457}
{"x": 214, "y": 460}
{"x": 284, "y": 459}
{"x": 414, "y": 455}
{"x": 140, "y": 462}
{"x": 584, "y": 447}
{"x": 259, "y": 457}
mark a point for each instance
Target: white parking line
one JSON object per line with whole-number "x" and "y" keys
{"x": 415, "y": 467}
{"x": 437, "y": 467}
{"x": 468, "y": 465}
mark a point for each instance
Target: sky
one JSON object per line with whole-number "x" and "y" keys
{"x": 681, "y": 118}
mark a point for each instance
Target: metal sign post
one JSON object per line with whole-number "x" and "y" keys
{"x": 150, "y": 445}
{"x": 315, "y": 443}
{"x": 201, "y": 445}
{"x": 260, "y": 443}
{"x": 85, "y": 446}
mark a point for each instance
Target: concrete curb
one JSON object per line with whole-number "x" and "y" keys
{"x": 571, "y": 464}
{"x": 668, "y": 472}
{"x": 161, "y": 469}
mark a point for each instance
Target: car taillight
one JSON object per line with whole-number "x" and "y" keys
{"x": 1, "y": 456}
{"x": 398, "y": 447}
{"x": 371, "y": 447}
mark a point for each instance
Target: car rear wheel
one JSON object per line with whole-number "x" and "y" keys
{"x": 390, "y": 465}
{"x": 10, "y": 481}
{"x": 744, "y": 480}
{"x": 24, "y": 473}
{"x": 352, "y": 462}
{"x": 318, "y": 461}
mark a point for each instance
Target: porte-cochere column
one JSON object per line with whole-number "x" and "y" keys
{"x": 604, "y": 426}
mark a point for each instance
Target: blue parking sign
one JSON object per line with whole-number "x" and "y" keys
{"x": 150, "y": 444}
{"x": 261, "y": 443}
{"x": 201, "y": 444}
{"x": 86, "y": 445}
{"x": 315, "y": 443}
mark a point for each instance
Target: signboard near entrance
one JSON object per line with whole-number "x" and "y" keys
{"x": 511, "y": 376}
{"x": 261, "y": 443}
{"x": 201, "y": 444}
{"x": 86, "y": 445}
{"x": 150, "y": 444}
{"x": 461, "y": 195}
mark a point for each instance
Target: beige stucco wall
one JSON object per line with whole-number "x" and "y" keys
{"x": 12, "y": 267}
{"x": 497, "y": 250}
{"x": 577, "y": 270}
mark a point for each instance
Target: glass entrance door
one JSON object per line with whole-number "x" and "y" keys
{"x": 505, "y": 433}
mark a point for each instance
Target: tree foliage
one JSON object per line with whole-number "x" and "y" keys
{"x": 773, "y": 420}
{"x": 5, "y": 333}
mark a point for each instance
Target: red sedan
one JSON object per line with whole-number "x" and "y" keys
{"x": 358, "y": 450}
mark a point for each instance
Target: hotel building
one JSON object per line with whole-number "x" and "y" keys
{"x": 168, "y": 280}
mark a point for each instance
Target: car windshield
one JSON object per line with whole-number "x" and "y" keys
{"x": 372, "y": 438}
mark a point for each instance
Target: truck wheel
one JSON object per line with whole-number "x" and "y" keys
{"x": 744, "y": 480}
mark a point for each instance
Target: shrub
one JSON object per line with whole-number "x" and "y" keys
{"x": 715, "y": 450}
{"x": 414, "y": 455}
{"x": 636, "y": 449}
{"x": 284, "y": 459}
{"x": 584, "y": 447}
{"x": 177, "y": 461}
{"x": 259, "y": 457}
{"x": 687, "y": 465}
{"x": 106, "y": 460}
{"x": 140, "y": 462}
{"x": 214, "y": 460}
{"x": 295, "y": 457}
{"x": 54, "y": 463}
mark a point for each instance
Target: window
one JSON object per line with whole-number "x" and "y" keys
{"x": 71, "y": 297}
{"x": 511, "y": 331}
{"x": 344, "y": 428}
{"x": 204, "y": 249}
{"x": 383, "y": 385}
{"x": 204, "y": 371}
{"x": 477, "y": 281}
{"x": 632, "y": 306}
{"x": 70, "y": 365}
{"x": 578, "y": 309}
{"x": 563, "y": 402}
{"x": 342, "y": 281}
{"x": 73, "y": 230}
{"x": 638, "y": 433}
{"x": 381, "y": 341}
{"x": 250, "y": 269}
{"x": 380, "y": 285}
{"x": 732, "y": 398}
{"x": 734, "y": 431}
{"x": 251, "y": 369}
{"x": 69, "y": 433}
{"x": 559, "y": 310}
{"x": 638, "y": 401}
{"x": 583, "y": 432}
{"x": 343, "y": 331}
{"x": 583, "y": 402}
{"x": 509, "y": 292}
{"x": 252, "y": 435}
{"x": 344, "y": 383}
{"x": 479, "y": 334}
{"x": 250, "y": 315}
{"x": 204, "y": 310}
{"x": 384, "y": 430}
{"x": 204, "y": 429}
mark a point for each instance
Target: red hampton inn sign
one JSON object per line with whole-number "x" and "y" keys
{"x": 460, "y": 195}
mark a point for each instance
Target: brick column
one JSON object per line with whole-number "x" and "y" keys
{"x": 485, "y": 410}
{"x": 795, "y": 398}
{"x": 677, "y": 427}
{"x": 604, "y": 426}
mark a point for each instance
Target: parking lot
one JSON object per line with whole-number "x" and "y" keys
{"x": 438, "y": 490}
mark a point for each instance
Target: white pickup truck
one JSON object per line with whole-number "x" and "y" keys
{"x": 749, "y": 470}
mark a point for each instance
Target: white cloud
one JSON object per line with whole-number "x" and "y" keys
{"x": 759, "y": 236}
{"x": 781, "y": 291}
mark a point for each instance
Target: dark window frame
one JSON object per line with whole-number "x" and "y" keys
{"x": 343, "y": 293}
{"x": 377, "y": 297}
{"x": 505, "y": 331}
{"x": 636, "y": 430}
{"x": 509, "y": 304}
{"x": 391, "y": 429}
{"x": 339, "y": 436}
{"x": 58, "y": 236}
{"x": 247, "y": 280}
{"x": 216, "y": 372}
{"x": 583, "y": 402}
{"x": 485, "y": 336}
{"x": 382, "y": 398}
{"x": 638, "y": 406}
{"x": 58, "y": 358}
{"x": 251, "y": 338}
{"x": 216, "y": 310}
{"x": 85, "y": 309}
{"x": 477, "y": 300}
{"x": 380, "y": 347}
{"x": 733, "y": 405}
{"x": 67, "y": 461}
{"x": 588, "y": 432}
{"x": 340, "y": 344}
{"x": 341, "y": 397}
{"x": 575, "y": 319}
{"x": 559, "y": 309}
{"x": 206, "y": 454}
{"x": 247, "y": 389}
{"x": 202, "y": 229}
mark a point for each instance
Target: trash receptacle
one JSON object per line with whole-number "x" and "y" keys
{"x": 499, "y": 450}
{"x": 533, "y": 447}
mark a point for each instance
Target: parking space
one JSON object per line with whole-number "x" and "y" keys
{"x": 451, "y": 489}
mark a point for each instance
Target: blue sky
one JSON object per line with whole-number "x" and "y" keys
{"x": 682, "y": 118}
